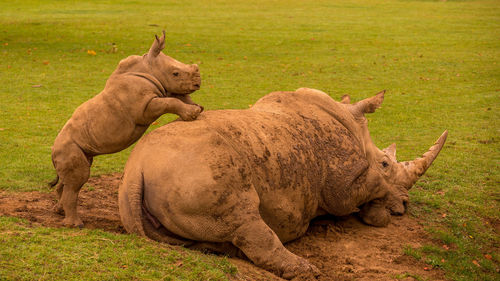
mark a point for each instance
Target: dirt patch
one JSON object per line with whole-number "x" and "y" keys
{"x": 347, "y": 249}
{"x": 98, "y": 205}
{"x": 342, "y": 248}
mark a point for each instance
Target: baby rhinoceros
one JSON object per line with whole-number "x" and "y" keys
{"x": 140, "y": 90}
{"x": 254, "y": 179}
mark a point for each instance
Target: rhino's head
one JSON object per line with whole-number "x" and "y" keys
{"x": 400, "y": 176}
{"x": 175, "y": 76}
{"x": 389, "y": 174}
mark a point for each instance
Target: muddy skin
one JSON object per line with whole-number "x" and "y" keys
{"x": 256, "y": 178}
{"x": 139, "y": 91}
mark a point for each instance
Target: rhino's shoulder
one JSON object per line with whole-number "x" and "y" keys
{"x": 293, "y": 101}
{"x": 130, "y": 64}
{"x": 286, "y": 97}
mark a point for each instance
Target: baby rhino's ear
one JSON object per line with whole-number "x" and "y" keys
{"x": 391, "y": 152}
{"x": 157, "y": 47}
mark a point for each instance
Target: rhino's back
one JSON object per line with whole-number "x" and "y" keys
{"x": 274, "y": 150}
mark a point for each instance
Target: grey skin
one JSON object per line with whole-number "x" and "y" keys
{"x": 140, "y": 90}
{"x": 253, "y": 179}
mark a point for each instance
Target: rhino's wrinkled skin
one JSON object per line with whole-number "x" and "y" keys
{"x": 253, "y": 179}
{"x": 140, "y": 90}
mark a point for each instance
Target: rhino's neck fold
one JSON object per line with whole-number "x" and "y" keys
{"x": 153, "y": 80}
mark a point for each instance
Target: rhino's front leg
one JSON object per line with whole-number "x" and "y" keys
{"x": 263, "y": 247}
{"x": 159, "y": 106}
{"x": 187, "y": 99}
{"x": 375, "y": 212}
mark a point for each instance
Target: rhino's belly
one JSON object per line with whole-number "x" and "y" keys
{"x": 97, "y": 130}
{"x": 287, "y": 215}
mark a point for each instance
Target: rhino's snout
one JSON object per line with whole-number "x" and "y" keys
{"x": 399, "y": 208}
{"x": 195, "y": 77}
{"x": 196, "y": 84}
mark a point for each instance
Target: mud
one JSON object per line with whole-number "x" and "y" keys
{"x": 342, "y": 248}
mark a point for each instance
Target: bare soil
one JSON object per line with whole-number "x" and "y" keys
{"x": 342, "y": 248}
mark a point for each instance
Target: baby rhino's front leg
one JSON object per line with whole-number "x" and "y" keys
{"x": 159, "y": 106}
{"x": 261, "y": 245}
{"x": 186, "y": 99}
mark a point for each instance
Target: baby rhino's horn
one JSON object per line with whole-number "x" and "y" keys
{"x": 157, "y": 47}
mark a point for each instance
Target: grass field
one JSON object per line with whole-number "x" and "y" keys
{"x": 439, "y": 61}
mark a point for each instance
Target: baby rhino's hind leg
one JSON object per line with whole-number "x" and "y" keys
{"x": 261, "y": 245}
{"x": 73, "y": 168}
{"x": 58, "y": 208}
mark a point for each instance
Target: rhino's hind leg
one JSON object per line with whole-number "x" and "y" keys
{"x": 58, "y": 208}
{"x": 263, "y": 247}
{"x": 73, "y": 168}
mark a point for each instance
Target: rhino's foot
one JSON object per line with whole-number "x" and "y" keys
{"x": 263, "y": 247}
{"x": 190, "y": 112}
{"x": 72, "y": 222}
{"x": 58, "y": 208}
{"x": 301, "y": 268}
{"x": 380, "y": 220}
{"x": 375, "y": 213}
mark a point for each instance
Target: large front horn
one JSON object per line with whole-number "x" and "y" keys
{"x": 417, "y": 167}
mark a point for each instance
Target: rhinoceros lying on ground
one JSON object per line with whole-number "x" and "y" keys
{"x": 139, "y": 91}
{"x": 254, "y": 179}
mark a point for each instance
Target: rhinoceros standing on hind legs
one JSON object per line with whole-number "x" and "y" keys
{"x": 253, "y": 179}
{"x": 140, "y": 90}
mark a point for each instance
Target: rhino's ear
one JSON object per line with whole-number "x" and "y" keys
{"x": 369, "y": 105}
{"x": 157, "y": 47}
{"x": 391, "y": 151}
{"x": 346, "y": 99}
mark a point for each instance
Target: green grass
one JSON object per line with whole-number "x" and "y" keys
{"x": 38, "y": 253}
{"x": 439, "y": 61}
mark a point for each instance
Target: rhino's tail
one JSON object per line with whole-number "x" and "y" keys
{"x": 135, "y": 201}
{"x": 135, "y": 216}
{"x": 54, "y": 182}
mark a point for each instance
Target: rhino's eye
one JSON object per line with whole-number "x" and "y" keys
{"x": 176, "y": 73}
{"x": 385, "y": 164}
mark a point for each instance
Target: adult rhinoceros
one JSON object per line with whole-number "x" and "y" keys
{"x": 254, "y": 179}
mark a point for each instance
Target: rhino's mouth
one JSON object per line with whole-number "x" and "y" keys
{"x": 189, "y": 88}
{"x": 185, "y": 88}
{"x": 184, "y": 93}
